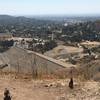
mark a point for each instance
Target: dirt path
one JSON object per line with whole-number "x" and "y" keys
{"x": 49, "y": 90}
{"x": 24, "y": 90}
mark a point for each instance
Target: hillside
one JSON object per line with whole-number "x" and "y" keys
{"x": 6, "y": 19}
{"x": 19, "y": 60}
{"x": 65, "y": 53}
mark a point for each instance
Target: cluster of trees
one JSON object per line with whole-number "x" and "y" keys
{"x": 30, "y": 27}
{"x": 81, "y": 31}
{"x": 4, "y": 45}
{"x": 46, "y": 46}
{"x": 26, "y": 27}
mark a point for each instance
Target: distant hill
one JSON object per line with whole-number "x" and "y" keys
{"x": 48, "y": 18}
{"x": 21, "y": 20}
{"x": 6, "y": 19}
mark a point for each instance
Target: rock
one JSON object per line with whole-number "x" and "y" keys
{"x": 62, "y": 98}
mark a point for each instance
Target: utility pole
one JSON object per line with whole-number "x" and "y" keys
{"x": 52, "y": 37}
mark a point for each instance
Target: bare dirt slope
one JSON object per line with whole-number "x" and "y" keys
{"x": 23, "y": 61}
{"x": 22, "y": 89}
{"x": 63, "y": 50}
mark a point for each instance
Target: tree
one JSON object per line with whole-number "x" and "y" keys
{"x": 50, "y": 45}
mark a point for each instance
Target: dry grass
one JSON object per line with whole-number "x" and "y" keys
{"x": 51, "y": 89}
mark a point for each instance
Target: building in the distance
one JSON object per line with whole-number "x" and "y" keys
{"x": 5, "y": 36}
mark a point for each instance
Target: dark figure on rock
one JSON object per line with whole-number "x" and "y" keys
{"x": 7, "y": 95}
{"x": 71, "y": 83}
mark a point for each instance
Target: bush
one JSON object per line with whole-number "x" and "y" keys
{"x": 4, "y": 45}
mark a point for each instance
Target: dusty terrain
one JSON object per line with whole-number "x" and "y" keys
{"x": 62, "y": 50}
{"x": 29, "y": 89}
{"x": 90, "y": 44}
{"x": 51, "y": 89}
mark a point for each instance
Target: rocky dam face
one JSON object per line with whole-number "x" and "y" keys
{"x": 23, "y": 61}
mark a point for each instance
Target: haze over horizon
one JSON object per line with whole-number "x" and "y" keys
{"x": 50, "y": 7}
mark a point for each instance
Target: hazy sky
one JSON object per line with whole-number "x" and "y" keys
{"x": 47, "y": 7}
